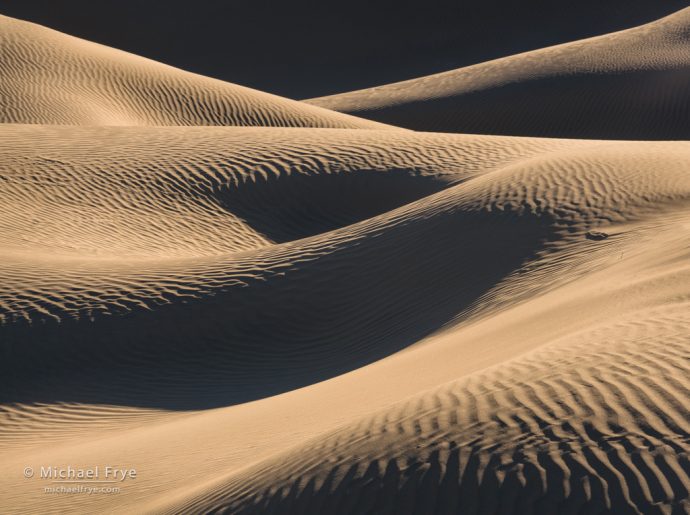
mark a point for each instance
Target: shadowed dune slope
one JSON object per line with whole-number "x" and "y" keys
{"x": 498, "y": 325}
{"x": 632, "y": 84}
{"x": 309, "y": 48}
{"x": 163, "y": 193}
{"x": 597, "y": 422}
{"x": 111, "y": 234}
{"x": 314, "y": 313}
{"x": 49, "y": 77}
{"x": 277, "y": 241}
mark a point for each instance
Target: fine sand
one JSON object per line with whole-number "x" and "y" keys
{"x": 632, "y": 84}
{"x": 310, "y": 48}
{"x": 306, "y": 312}
{"x": 52, "y": 78}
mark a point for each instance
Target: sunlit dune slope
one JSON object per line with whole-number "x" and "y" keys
{"x": 632, "y": 84}
{"x": 119, "y": 231}
{"x": 596, "y": 422}
{"x": 520, "y": 306}
{"x": 49, "y": 77}
{"x": 263, "y": 306}
{"x": 307, "y": 48}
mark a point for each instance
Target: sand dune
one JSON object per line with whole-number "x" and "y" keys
{"x": 578, "y": 427}
{"x": 307, "y": 48}
{"x": 216, "y": 223}
{"x": 626, "y": 85}
{"x": 49, "y": 77}
{"x": 294, "y": 316}
{"x": 460, "y": 242}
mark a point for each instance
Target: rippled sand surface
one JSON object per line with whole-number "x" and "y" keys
{"x": 265, "y": 306}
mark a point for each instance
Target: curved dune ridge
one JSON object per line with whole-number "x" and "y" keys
{"x": 230, "y": 225}
{"x": 164, "y": 193}
{"x": 578, "y": 427}
{"x": 631, "y": 84}
{"x": 49, "y": 77}
{"x": 315, "y": 319}
{"x": 458, "y": 234}
{"x": 306, "y": 48}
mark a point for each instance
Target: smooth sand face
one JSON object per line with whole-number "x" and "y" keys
{"x": 625, "y": 85}
{"x": 336, "y": 320}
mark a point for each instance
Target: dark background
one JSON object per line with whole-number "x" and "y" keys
{"x": 307, "y": 48}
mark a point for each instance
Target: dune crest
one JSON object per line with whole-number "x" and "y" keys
{"x": 306, "y": 312}
{"x": 488, "y": 236}
{"x": 51, "y": 78}
{"x": 625, "y": 85}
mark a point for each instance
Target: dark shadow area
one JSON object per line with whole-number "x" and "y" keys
{"x": 308, "y": 48}
{"x": 312, "y": 320}
{"x": 298, "y": 205}
{"x": 644, "y": 105}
